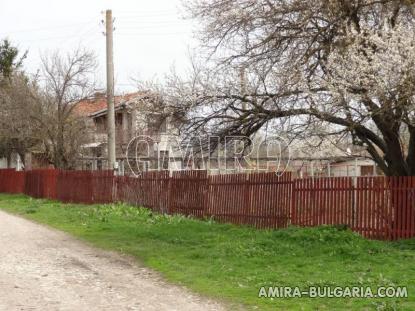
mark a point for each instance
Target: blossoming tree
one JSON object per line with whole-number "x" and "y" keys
{"x": 314, "y": 68}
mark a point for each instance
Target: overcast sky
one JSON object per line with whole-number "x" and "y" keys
{"x": 150, "y": 35}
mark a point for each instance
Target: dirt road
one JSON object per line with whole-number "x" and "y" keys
{"x": 44, "y": 269}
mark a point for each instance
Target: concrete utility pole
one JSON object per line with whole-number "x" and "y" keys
{"x": 110, "y": 90}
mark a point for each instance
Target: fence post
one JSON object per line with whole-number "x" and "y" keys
{"x": 206, "y": 198}
{"x": 247, "y": 196}
{"x": 169, "y": 181}
{"x": 293, "y": 212}
{"x": 114, "y": 183}
{"x": 354, "y": 190}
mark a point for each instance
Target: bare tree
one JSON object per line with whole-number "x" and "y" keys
{"x": 315, "y": 68}
{"x": 66, "y": 80}
{"x": 18, "y": 101}
{"x": 17, "y": 93}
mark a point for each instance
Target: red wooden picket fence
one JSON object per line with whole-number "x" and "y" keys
{"x": 41, "y": 183}
{"x": 151, "y": 189}
{"x": 376, "y": 207}
{"x": 12, "y": 181}
{"x": 261, "y": 200}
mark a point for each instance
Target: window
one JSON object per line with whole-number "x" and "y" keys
{"x": 101, "y": 123}
{"x": 118, "y": 119}
{"x": 164, "y": 160}
{"x": 163, "y": 127}
{"x": 367, "y": 170}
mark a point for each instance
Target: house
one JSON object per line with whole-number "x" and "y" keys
{"x": 333, "y": 166}
{"x": 137, "y": 115}
{"x": 330, "y": 158}
{"x": 357, "y": 166}
{"x": 13, "y": 161}
{"x": 33, "y": 160}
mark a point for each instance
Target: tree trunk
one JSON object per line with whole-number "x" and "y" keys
{"x": 9, "y": 160}
{"x": 60, "y": 149}
{"x": 411, "y": 152}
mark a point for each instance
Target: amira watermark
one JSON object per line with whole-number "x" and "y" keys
{"x": 230, "y": 154}
{"x": 334, "y": 292}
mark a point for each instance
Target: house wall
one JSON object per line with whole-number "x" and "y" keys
{"x": 131, "y": 123}
{"x": 15, "y": 162}
{"x": 341, "y": 170}
{"x": 351, "y": 168}
{"x": 3, "y": 163}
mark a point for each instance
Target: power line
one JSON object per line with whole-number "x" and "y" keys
{"x": 167, "y": 27}
{"x": 59, "y": 37}
{"x": 152, "y": 33}
{"x": 78, "y": 33}
{"x": 149, "y": 23}
{"x": 147, "y": 13}
{"x": 45, "y": 28}
{"x": 88, "y": 34}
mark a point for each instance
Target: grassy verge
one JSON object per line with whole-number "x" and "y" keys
{"x": 233, "y": 263}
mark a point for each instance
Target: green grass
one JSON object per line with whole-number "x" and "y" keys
{"x": 231, "y": 263}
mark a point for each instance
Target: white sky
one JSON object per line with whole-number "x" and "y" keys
{"x": 150, "y": 35}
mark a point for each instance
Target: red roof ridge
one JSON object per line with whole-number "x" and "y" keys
{"x": 98, "y": 102}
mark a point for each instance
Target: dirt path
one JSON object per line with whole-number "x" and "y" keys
{"x": 44, "y": 269}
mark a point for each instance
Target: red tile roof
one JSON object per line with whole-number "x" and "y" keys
{"x": 97, "y": 103}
